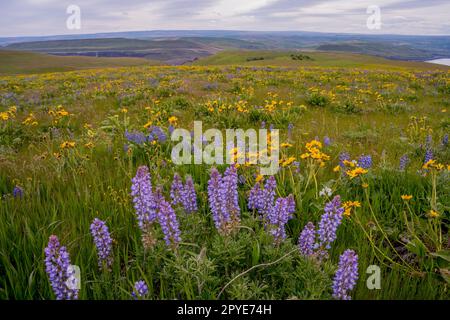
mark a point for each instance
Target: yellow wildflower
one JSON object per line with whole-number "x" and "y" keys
{"x": 356, "y": 172}
{"x": 406, "y": 197}
{"x": 67, "y": 145}
{"x": 433, "y": 214}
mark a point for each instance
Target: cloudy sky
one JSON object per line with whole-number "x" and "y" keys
{"x": 48, "y": 17}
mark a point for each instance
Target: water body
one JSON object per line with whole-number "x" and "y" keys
{"x": 445, "y": 61}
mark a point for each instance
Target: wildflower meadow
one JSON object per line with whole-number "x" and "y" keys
{"x": 93, "y": 206}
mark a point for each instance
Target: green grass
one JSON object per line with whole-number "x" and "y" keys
{"x": 322, "y": 59}
{"x": 19, "y": 62}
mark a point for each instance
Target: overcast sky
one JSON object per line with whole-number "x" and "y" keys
{"x": 48, "y": 17}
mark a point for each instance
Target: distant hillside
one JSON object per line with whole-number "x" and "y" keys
{"x": 173, "y": 51}
{"x": 310, "y": 59}
{"x": 179, "y": 46}
{"x": 19, "y": 62}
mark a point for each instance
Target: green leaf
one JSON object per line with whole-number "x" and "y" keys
{"x": 444, "y": 254}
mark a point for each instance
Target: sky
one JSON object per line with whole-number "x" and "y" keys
{"x": 49, "y": 17}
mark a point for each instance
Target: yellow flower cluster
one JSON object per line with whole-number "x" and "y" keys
{"x": 9, "y": 114}
{"x": 30, "y": 120}
{"x": 432, "y": 164}
{"x": 349, "y": 205}
{"x": 314, "y": 152}
{"x": 67, "y": 145}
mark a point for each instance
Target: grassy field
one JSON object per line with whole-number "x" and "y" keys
{"x": 318, "y": 59}
{"x": 20, "y": 62}
{"x": 71, "y": 143}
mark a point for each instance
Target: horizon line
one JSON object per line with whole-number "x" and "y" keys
{"x": 225, "y": 30}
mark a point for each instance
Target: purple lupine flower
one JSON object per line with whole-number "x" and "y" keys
{"x": 404, "y": 161}
{"x": 326, "y": 141}
{"x": 171, "y": 129}
{"x": 176, "y": 189}
{"x": 103, "y": 242}
{"x": 136, "y": 137}
{"x": 188, "y": 196}
{"x": 17, "y": 192}
{"x": 365, "y": 161}
{"x": 223, "y": 198}
{"x": 215, "y": 202}
{"x": 141, "y": 191}
{"x": 263, "y": 125}
{"x": 277, "y": 219}
{"x": 57, "y": 266}
{"x": 140, "y": 289}
{"x": 444, "y": 141}
{"x": 169, "y": 223}
{"x": 296, "y": 165}
{"x": 346, "y": 275}
{"x": 428, "y": 155}
{"x": 290, "y": 204}
{"x": 156, "y": 133}
{"x": 254, "y": 196}
{"x": 344, "y": 156}
{"x": 230, "y": 190}
{"x": 330, "y": 221}
{"x": 307, "y": 240}
{"x": 266, "y": 201}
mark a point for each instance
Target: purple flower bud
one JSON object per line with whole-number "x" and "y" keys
{"x": 346, "y": 275}
{"x": 140, "y": 289}
{"x": 17, "y": 192}
{"x": 277, "y": 219}
{"x": 326, "y": 141}
{"x": 189, "y": 196}
{"x": 365, "y": 161}
{"x": 176, "y": 189}
{"x": 428, "y": 155}
{"x": 141, "y": 191}
{"x": 168, "y": 220}
{"x": 57, "y": 266}
{"x": 103, "y": 242}
{"x": 404, "y": 161}
{"x": 330, "y": 221}
{"x": 307, "y": 240}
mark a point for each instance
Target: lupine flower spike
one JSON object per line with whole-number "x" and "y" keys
{"x": 57, "y": 266}
{"x": 346, "y": 275}
{"x": 103, "y": 242}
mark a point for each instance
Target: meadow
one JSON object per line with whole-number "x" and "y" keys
{"x": 75, "y": 146}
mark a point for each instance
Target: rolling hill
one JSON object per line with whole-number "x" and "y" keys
{"x": 19, "y": 62}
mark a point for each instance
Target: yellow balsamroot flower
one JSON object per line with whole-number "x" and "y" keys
{"x": 4, "y": 116}
{"x": 30, "y": 120}
{"x": 89, "y": 145}
{"x": 406, "y": 197}
{"x": 288, "y": 161}
{"x": 314, "y": 143}
{"x": 351, "y": 164}
{"x": 337, "y": 169}
{"x": 432, "y": 164}
{"x": 173, "y": 120}
{"x": 148, "y": 124}
{"x": 124, "y": 110}
{"x": 356, "y": 172}
{"x": 259, "y": 178}
{"x": 348, "y": 205}
{"x": 67, "y": 145}
{"x": 433, "y": 214}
